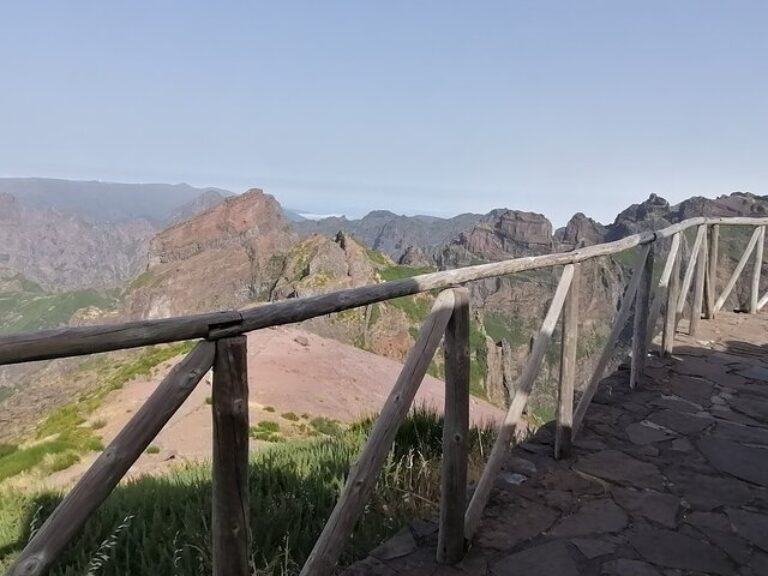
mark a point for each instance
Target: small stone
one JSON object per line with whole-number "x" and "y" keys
{"x": 401, "y": 544}
{"x": 642, "y": 433}
{"x": 624, "y": 567}
{"x": 618, "y": 467}
{"x": 301, "y": 341}
{"x": 752, "y": 526}
{"x": 674, "y": 550}
{"x": 592, "y": 548}
{"x": 595, "y": 517}
{"x": 512, "y": 478}
{"x": 544, "y": 560}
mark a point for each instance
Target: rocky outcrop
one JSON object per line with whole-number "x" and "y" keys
{"x": 415, "y": 256}
{"x": 205, "y": 201}
{"x": 224, "y": 258}
{"x": 391, "y": 233}
{"x": 582, "y": 231}
{"x": 61, "y": 251}
{"x": 652, "y": 214}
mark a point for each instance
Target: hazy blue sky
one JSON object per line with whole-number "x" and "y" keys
{"x": 436, "y": 107}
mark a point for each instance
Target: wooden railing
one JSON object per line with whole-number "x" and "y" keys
{"x": 223, "y": 348}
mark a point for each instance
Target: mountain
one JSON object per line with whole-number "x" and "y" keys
{"x": 105, "y": 201}
{"x": 391, "y": 233}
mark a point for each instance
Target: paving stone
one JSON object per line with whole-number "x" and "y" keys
{"x": 711, "y": 520}
{"x": 694, "y": 389}
{"x": 473, "y": 564}
{"x": 624, "y": 567}
{"x": 752, "y": 526}
{"x": 682, "y": 445}
{"x": 514, "y": 526}
{"x": 592, "y": 548}
{"x": 421, "y": 562}
{"x": 752, "y": 406}
{"x": 369, "y": 567}
{"x": 741, "y": 433}
{"x": 674, "y": 550}
{"x": 709, "y": 492}
{"x": 641, "y": 433}
{"x": 401, "y": 544}
{"x": 681, "y": 423}
{"x": 741, "y": 461}
{"x": 547, "y": 559}
{"x": 725, "y": 413}
{"x": 618, "y": 467}
{"x": 735, "y": 547}
{"x": 594, "y": 517}
{"x": 656, "y": 506}
{"x": 754, "y": 373}
{"x": 677, "y": 404}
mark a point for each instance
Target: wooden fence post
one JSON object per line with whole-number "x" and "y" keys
{"x": 711, "y": 288}
{"x": 515, "y": 412}
{"x": 698, "y": 287}
{"x": 453, "y": 481}
{"x": 618, "y": 325}
{"x": 754, "y": 295}
{"x": 688, "y": 278}
{"x": 364, "y": 472}
{"x": 661, "y": 291}
{"x": 640, "y": 328}
{"x": 739, "y": 268}
{"x": 230, "y": 526}
{"x": 670, "y": 317}
{"x": 568, "y": 368}
{"x": 112, "y": 464}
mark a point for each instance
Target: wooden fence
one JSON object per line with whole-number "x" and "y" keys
{"x": 223, "y": 348}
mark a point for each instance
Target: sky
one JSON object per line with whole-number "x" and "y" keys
{"x": 417, "y": 107}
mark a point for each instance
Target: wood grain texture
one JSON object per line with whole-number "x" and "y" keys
{"x": 690, "y": 270}
{"x": 698, "y": 286}
{"x": 230, "y": 533}
{"x": 568, "y": 355}
{"x": 453, "y": 478}
{"x": 522, "y": 391}
{"x": 75, "y": 341}
{"x": 754, "y": 295}
{"x": 618, "y": 325}
{"x": 112, "y": 464}
{"x": 640, "y": 324}
{"x": 670, "y": 313}
{"x": 710, "y": 292}
{"x": 363, "y": 474}
{"x": 738, "y": 270}
{"x": 662, "y": 289}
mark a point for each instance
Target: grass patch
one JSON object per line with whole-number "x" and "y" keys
{"x": 292, "y": 489}
{"x": 326, "y": 426}
{"x": 377, "y": 257}
{"x": 400, "y": 272}
{"x": 416, "y": 308}
{"x": 269, "y": 408}
{"x": 290, "y": 416}
{"x": 152, "y": 449}
{"x": 61, "y": 461}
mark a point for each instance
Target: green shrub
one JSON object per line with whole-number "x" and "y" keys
{"x": 269, "y": 408}
{"x": 98, "y": 424}
{"x": 292, "y": 490}
{"x": 268, "y": 426}
{"x": 152, "y": 449}
{"x": 62, "y": 461}
{"x": 325, "y": 426}
{"x": 290, "y": 416}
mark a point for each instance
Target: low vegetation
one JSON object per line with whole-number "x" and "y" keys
{"x": 160, "y": 525}
{"x": 65, "y": 434}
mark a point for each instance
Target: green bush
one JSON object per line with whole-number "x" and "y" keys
{"x": 325, "y": 426}
{"x": 292, "y": 490}
{"x": 152, "y": 449}
{"x": 290, "y": 416}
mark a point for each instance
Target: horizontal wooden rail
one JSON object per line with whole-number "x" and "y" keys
{"x": 109, "y": 468}
{"x": 81, "y": 340}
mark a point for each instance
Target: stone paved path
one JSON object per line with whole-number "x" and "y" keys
{"x": 670, "y": 479}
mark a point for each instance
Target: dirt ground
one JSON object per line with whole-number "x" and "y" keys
{"x": 289, "y": 370}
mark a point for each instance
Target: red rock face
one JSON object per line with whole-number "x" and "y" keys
{"x": 510, "y": 234}
{"x": 225, "y": 257}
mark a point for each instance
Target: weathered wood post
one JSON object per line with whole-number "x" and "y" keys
{"x": 568, "y": 368}
{"x": 698, "y": 287}
{"x": 739, "y": 269}
{"x": 364, "y": 472}
{"x": 754, "y": 295}
{"x": 112, "y": 464}
{"x": 711, "y": 288}
{"x": 515, "y": 412}
{"x": 688, "y": 277}
{"x": 230, "y": 526}
{"x": 640, "y": 327}
{"x": 453, "y": 482}
{"x": 670, "y": 317}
